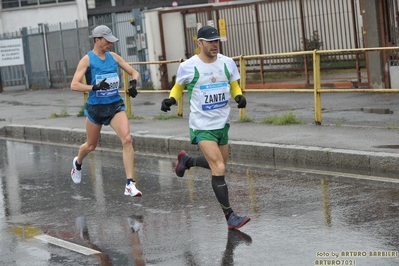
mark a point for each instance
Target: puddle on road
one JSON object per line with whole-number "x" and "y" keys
{"x": 376, "y": 111}
{"x": 379, "y": 111}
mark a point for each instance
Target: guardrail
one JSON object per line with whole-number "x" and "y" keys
{"x": 317, "y": 89}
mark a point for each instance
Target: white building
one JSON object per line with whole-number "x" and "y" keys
{"x": 16, "y": 14}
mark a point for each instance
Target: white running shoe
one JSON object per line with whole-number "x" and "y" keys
{"x": 135, "y": 222}
{"x": 75, "y": 173}
{"x": 81, "y": 225}
{"x": 131, "y": 190}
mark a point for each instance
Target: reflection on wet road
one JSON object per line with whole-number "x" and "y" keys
{"x": 297, "y": 218}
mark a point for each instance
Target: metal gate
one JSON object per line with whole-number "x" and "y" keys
{"x": 282, "y": 26}
{"x": 276, "y": 26}
{"x": 389, "y": 21}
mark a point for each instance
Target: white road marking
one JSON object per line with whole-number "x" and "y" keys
{"x": 67, "y": 245}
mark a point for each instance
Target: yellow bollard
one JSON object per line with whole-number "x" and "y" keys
{"x": 242, "y": 111}
{"x": 317, "y": 87}
{"x": 126, "y": 93}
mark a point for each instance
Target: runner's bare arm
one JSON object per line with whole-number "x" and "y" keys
{"x": 76, "y": 84}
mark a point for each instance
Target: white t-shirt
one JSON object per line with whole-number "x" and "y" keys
{"x": 208, "y": 86}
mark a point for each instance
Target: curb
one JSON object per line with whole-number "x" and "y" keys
{"x": 255, "y": 153}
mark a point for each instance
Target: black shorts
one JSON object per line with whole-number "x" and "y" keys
{"x": 101, "y": 114}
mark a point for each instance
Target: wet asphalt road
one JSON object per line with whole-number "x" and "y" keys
{"x": 298, "y": 218}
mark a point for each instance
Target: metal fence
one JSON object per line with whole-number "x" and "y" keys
{"x": 270, "y": 27}
{"x": 255, "y": 28}
{"x": 51, "y": 55}
{"x": 277, "y": 26}
{"x": 52, "y": 52}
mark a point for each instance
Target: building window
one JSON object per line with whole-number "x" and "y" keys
{"x": 131, "y": 46}
{"x": 11, "y": 3}
{"x": 103, "y": 3}
{"x": 43, "y": 2}
{"x": 23, "y": 3}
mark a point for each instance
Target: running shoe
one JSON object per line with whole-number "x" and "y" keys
{"x": 75, "y": 173}
{"x": 235, "y": 221}
{"x": 236, "y": 237}
{"x": 181, "y": 167}
{"x": 82, "y": 227}
{"x": 131, "y": 190}
{"x": 135, "y": 222}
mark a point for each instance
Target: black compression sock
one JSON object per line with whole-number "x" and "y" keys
{"x": 227, "y": 214}
{"x": 199, "y": 161}
{"x": 222, "y": 194}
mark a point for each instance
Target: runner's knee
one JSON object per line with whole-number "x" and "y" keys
{"x": 91, "y": 147}
{"x": 218, "y": 168}
{"x": 126, "y": 140}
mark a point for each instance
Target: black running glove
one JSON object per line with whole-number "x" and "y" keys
{"x": 167, "y": 103}
{"x": 132, "y": 88}
{"x": 242, "y": 102}
{"x": 101, "y": 86}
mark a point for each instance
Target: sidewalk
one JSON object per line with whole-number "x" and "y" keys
{"x": 359, "y": 131}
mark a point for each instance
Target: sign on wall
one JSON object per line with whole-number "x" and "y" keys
{"x": 11, "y": 52}
{"x": 141, "y": 42}
{"x": 222, "y": 29}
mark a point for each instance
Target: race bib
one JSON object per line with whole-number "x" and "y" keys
{"x": 113, "y": 80}
{"x": 214, "y": 96}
